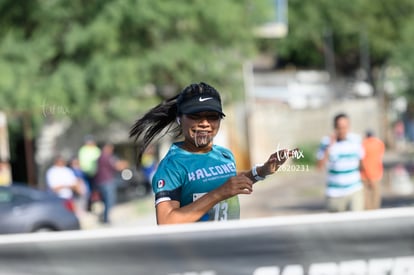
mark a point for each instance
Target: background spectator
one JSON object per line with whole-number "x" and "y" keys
{"x": 83, "y": 197}
{"x": 61, "y": 179}
{"x": 149, "y": 165}
{"x": 108, "y": 166}
{"x": 341, "y": 154}
{"x": 88, "y": 155}
{"x": 372, "y": 170}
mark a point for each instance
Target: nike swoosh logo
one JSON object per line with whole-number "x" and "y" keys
{"x": 204, "y": 99}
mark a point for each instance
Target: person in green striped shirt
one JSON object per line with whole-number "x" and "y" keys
{"x": 340, "y": 154}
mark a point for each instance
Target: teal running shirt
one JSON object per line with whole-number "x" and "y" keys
{"x": 184, "y": 176}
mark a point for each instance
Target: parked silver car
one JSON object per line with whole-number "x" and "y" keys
{"x": 24, "y": 209}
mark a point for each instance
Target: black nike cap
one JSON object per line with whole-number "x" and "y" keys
{"x": 197, "y": 98}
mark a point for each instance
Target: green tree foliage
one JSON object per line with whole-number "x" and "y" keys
{"x": 403, "y": 58}
{"x": 351, "y": 25}
{"x": 110, "y": 59}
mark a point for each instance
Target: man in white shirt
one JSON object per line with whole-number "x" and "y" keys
{"x": 61, "y": 179}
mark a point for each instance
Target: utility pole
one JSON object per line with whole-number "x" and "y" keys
{"x": 28, "y": 146}
{"x": 329, "y": 52}
{"x": 365, "y": 56}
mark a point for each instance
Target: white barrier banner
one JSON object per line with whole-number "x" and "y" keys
{"x": 367, "y": 243}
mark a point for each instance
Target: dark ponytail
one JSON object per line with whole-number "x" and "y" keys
{"x": 153, "y": 123}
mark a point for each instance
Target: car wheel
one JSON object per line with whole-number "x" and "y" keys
{"x": 43, "y": 229}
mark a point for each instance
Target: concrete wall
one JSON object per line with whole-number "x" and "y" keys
{"x": 273, "y": 125}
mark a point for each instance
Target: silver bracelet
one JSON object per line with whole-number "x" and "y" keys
{"x": 254, "y": 173}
